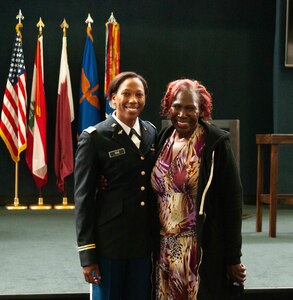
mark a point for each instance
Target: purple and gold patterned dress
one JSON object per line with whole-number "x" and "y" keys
{"x": 175, "y": 180}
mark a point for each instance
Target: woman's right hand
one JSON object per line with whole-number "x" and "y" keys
{"x": 92, "y": 273}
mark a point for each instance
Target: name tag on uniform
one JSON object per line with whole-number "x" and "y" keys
{"x": 117, "y": 152}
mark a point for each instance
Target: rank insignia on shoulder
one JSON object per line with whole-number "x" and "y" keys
{"x": 151, "y": 124}
{"x": 90, "y": 129}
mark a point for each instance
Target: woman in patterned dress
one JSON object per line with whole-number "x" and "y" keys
{"x": 199, "y": 197}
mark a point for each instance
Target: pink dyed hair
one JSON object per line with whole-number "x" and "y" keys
{"x": 176, "y": 86}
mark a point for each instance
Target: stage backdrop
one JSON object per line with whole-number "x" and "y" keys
{"x": 228, "y": 45}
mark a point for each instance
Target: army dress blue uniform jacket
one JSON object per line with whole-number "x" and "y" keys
{"x": 114, "y": 223}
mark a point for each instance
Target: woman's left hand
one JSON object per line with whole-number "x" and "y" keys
{"x": 237, "y": 273}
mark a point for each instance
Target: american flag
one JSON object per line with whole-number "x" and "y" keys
{"x": 13, "y": 115}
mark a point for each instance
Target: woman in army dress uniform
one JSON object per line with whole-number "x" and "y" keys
{"x": 113, "y": 224}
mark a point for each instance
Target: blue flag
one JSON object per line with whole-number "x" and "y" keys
{"x": 89, "y": 104}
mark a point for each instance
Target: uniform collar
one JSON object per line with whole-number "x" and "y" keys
{"x": 125, "y": 127}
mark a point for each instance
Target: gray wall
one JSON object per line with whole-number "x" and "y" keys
{"x": 283, "y": 99}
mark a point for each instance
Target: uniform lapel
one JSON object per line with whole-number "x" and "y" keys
{"x": 146, "y": 138}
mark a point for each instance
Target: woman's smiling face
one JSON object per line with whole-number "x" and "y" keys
{"x": 129, "y": 100}
{"x": 184, "y": 112}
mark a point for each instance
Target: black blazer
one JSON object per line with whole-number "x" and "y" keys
{"x": 115, "y": 222}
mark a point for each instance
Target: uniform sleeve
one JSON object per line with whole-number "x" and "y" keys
{"x": 85, "y": 185}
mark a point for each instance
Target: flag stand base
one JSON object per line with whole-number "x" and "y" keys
{"x": 40, "y": 205}
{"x": 16, "y": 205}
{"x": 64, "y": 205}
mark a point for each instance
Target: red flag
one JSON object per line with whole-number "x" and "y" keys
{"x": 112, "y": 56}
{"x": 36, "y": 152}
{"x": 13, "y": 116}
{"x": 64, "y": 116}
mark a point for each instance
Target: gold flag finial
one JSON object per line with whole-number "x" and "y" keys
{"x": 64, "y": 26}
{"x": 112, "y": 18}
{"x": 19, "y": 24}
{"x": 89, "y": 20}
{"x": 40, "y": 25}
{"x": 19, "y": 16}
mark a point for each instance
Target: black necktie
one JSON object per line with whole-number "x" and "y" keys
{"x": 133, "y": 132}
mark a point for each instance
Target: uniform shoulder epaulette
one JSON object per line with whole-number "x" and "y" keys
{"x": 151, "y": 124}
{"x": 90, "y": 129}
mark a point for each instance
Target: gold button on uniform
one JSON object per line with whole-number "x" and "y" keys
{"x": 142, "y": 172}
{"x": 142, "y": 203}
{"x": 142, "y": 158}
{"x": 142, "y": 188}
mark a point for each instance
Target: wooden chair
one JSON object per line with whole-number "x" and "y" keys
{"x": 273, "y": 198}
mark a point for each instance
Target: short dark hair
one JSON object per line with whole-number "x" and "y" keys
{"x": 120, "y": 78}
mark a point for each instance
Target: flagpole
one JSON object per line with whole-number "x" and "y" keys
{"x": 64, "y": 204}
{"x": 40, "y": 205}
{"x": 16, "y": 205}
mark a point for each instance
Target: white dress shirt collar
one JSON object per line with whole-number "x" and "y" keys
{"x": 125, "y": 127}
